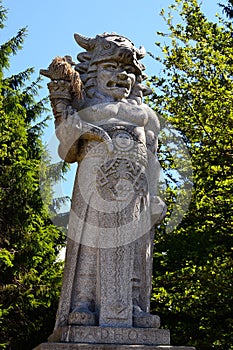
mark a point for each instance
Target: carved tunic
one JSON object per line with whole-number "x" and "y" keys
{"x": 114, "y": 187}
{"x": 110, "y": 209}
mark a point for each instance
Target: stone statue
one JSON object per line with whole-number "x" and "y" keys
{"x": 104, "y": 126}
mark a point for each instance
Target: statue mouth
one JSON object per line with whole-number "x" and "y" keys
{"x": 118, "y": 85}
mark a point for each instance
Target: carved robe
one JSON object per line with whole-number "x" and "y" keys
{"x": 109, "y": 248}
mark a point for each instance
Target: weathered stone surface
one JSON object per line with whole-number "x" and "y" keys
{"x": 82, "y": 318}
{"x": 111, "y": 335}
{"x": 146, "y": 321}
{"x": 116, "y": 304}
{"x": 63, "y": 346}
{"x": 103, "y": 125}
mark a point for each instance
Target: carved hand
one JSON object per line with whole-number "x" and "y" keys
{"x": 70, "y": 129}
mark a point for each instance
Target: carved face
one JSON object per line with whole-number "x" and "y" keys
{"x": 115, "y": 79}
{"x": 123, "y": 141}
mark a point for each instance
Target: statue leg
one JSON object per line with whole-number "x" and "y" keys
{"x": 143, "y": 260}
{"x": 83, "y": 303}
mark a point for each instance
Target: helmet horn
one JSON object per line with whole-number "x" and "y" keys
{"x": 84, "y": 42}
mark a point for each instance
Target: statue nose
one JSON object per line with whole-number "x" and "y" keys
{"x": 122, "y": 75}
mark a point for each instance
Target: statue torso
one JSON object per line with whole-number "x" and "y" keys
{"x": 117, "y": 112}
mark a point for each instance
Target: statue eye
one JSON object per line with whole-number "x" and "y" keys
{"x": 110, "y": 66}
{"x": 130, "y": 69}
{"x": 107, "y": 46}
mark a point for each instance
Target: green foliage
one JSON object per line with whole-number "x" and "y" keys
{"x": 193, "y": 264}
{"x": 29, "y": 242}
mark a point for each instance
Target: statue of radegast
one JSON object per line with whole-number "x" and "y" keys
{"x": 103, "y": 125}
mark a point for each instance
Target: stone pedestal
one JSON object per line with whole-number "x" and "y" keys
{"x": 111, "y": 335}
{"x": 64, "y": 346}
{"x": 109, "y": 338}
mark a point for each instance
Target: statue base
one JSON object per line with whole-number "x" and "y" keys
{"x": 109, "y": 338}
{"x": 73, "y": 346}
{"x": 111, "y": 335}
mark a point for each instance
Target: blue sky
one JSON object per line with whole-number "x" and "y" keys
{"x": 52, "y": 23}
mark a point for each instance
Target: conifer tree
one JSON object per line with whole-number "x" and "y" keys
{"x": 29, "y": 243}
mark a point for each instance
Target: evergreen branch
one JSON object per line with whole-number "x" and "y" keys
{"x": 17, "y": 81}
{"x": 11, "y": 47}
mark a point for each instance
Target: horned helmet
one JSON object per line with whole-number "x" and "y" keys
{"x": 102, "y": 48}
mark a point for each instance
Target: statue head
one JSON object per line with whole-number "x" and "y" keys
{"x": 110, "y": 66}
